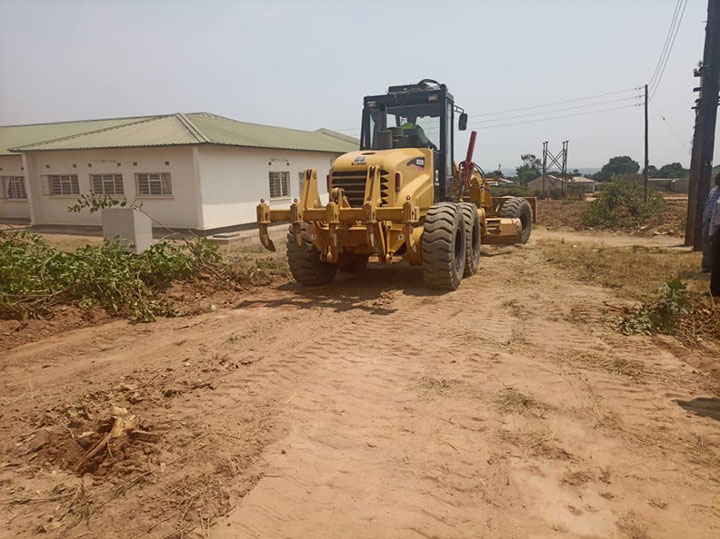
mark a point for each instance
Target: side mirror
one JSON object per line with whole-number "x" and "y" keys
{"x": 462, "y": 122}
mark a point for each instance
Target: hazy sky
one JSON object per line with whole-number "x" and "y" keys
{"x": 307, "y": 64}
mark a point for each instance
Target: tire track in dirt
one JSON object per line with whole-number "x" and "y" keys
{"x": 403, "y": 433}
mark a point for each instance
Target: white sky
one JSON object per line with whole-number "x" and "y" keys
{"x": 307, "y": 64}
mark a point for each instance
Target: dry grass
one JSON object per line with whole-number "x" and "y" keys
{"x": 539, "y": 443}
{"x": 610, "y": 364}
{"x": 560, "y": 213}
{"x": 513, "y": 401}
{"x": 637, "y": 273}
{"x": 634, "y": 272}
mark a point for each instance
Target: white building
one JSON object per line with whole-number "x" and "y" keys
{"x": 194, "y": 171}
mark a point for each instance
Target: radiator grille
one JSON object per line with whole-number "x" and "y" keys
{"x": 353, "y": 183}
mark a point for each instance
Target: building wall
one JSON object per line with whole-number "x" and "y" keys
{"x": 12, "y": 165}
{"x": 680, "y": 185}
{"x": 233, "y": 180}
{"x": 181, "y": 209}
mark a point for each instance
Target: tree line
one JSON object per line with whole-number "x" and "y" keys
{"x": 531, "y": 168}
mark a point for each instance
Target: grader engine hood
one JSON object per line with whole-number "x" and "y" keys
{"x": 406, "y": 172}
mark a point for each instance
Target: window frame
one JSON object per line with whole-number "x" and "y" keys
{"x": 284, "y": 185}
{"x": 10, "y": 186}
{"x": 74, "y": 183}
{"x": 115, "y": 178}
{"x": 163, "y": 178}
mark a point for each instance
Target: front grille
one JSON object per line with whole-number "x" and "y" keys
{"x": 353, "y": 183}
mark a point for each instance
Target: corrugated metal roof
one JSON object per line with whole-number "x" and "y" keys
{"x": 12, "y": 136}
{"x": 194, "y": 128}
{"x": 220, "y": 130}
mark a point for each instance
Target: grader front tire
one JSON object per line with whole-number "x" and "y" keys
{"x": 443, "y": 246}
{"x": 305, "y": 264}
{"x": 519, "y": 208}
{"x": 472, "y": 238}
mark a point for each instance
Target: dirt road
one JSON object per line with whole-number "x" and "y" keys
{"x": 509, "y": 408}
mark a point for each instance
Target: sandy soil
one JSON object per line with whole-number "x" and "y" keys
{"x": 370, "y": 408}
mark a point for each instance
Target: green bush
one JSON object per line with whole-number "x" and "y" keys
{"x": 622, "y": 204}
{"x": 34, "y": 276}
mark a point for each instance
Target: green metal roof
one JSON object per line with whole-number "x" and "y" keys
{"x": 13, "y": 136}
{"x": 183, "y": 129}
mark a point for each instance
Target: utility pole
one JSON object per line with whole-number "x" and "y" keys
{"x": 544, "y": 170}
{"x": 647, "y": 160}
{"x": 705, "y": 121}
{"x": 565, "y": 182}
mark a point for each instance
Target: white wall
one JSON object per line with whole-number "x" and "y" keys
{"x": 12, "y": 165}
{"x": 181, "y": 209}
{"x": 233, "y": 180}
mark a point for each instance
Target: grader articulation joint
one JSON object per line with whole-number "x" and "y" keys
{"x": 400, "y": 195}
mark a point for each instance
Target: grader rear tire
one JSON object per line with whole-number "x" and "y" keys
{"x": 519, "y": 208}
{"x": 472, "y": 237}
{"x": 305, "y": 264}
{"x": 443, "y": 246}
{"x": 352, "y": 262}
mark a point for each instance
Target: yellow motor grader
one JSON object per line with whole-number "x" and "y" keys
{"x": 400, "y": 195}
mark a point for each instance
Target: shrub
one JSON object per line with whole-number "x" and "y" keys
{"x": 661, "y": 315}
{"x": 34, "y": 276}
{"x": 622, "y": 204}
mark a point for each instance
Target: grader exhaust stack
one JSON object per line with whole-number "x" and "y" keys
{"x": 400, "y": 196}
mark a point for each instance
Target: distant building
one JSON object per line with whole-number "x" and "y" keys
{"x": 672, "y": 185}
{"x": 194, "y": 171}
{"x": 552, "y": 184}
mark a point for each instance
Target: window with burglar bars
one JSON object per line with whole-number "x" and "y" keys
{"x": 14, "y": 187}
{"x": 107, "y": 184}
{"x": 64, "y": 185}
{"x": 154, "y": 184}
{"x": 279, "y": 184}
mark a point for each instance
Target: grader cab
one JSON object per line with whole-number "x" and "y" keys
{"x": 400, "y": 196}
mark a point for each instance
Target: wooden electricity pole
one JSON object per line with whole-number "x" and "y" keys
{"x": 705, "y": 121}
{"x": 647, "y": 159}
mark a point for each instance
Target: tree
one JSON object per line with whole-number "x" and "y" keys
{"x": 529, "y": 170}
{"x": 652, "y": 171}
{"x": 672, "y": 170}
{"x": 621, "y": 164}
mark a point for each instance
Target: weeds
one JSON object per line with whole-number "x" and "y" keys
{"x": 660, "y": 315}
{"x": 690, "y": 317}
{"x": 35, "y": 276}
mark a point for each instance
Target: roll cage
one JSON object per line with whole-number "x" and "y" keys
{"x": 382, "y": 128}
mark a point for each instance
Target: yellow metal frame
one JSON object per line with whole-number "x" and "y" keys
{"x": 375, "y": 229}
{"x": 385, "y": 229}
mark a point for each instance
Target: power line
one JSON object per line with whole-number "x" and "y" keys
{"x": 555, "y": 103}
{"x": 576, "y": 107}
{"x": 667, "y": 56}
{"x": 678, "y": 3}
{"x": 559, "y": 117}
{"x": 356, "y": 130}
{"x": 482, "y": 126}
